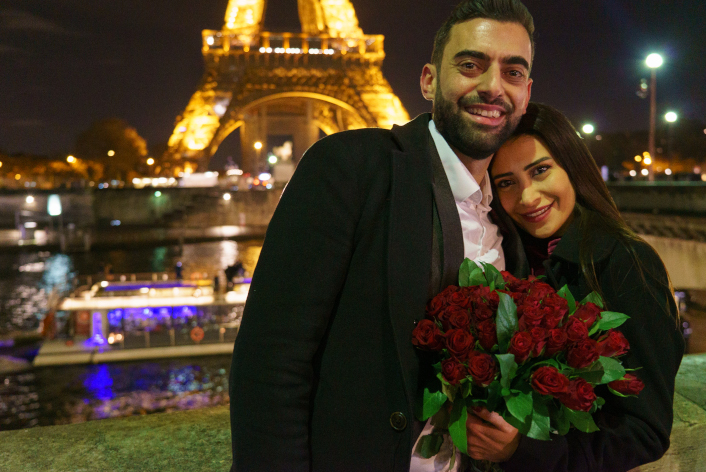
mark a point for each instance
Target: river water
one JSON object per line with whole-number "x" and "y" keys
{"x": 72, "y": 394}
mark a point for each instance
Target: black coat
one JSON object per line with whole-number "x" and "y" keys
{"x": 633, "y": 431}
{"x": 324, "y": 374}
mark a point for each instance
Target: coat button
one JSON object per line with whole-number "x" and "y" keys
{"x": 398, "y": 421}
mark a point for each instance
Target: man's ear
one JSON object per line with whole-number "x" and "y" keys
{"x": 529, "y": 95}
{"x": 427, "y": 81}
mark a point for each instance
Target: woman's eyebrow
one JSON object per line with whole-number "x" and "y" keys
{"x": 528, "y": 166}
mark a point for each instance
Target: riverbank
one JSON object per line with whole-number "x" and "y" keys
{"x": 199, "y": 440}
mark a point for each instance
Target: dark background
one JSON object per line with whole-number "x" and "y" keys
{"x": 67, "y": 63}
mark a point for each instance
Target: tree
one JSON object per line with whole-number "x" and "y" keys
{"x": 115, "y": 145}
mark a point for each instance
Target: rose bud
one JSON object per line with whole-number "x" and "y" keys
{"x": 457, "y": 317}
{"x": 541, "y": 289}
{"x": 459, "y": 342}
{"x": 487, "y": 334}
{"x": 426, "y": 335}
{"x": 453, "y": 371}
{"x": 628, "y": 385}
{"x": 613, "y": 343}
{"x": 579, "y": 396}
{"x": 539, "y": 336}
{"x": 532, "y": 316}
{"x": 482, "y": 368}
{"x": 548, "y": 380}
{"x": 459, "y": 298}
{"x": 436, "y": 305}
{"x": 555, "y": 309}
{"x": 588, "y": 313}
{"x": 575, "y": 330}
{"x": 520, "y": 345}
{"x": 555, "y": 341}
{"x": 582, "y": 354}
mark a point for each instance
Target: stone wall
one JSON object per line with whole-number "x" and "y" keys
{"x": 199, "y": 440}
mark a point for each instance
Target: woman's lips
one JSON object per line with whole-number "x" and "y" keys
{"x": 540, "y": 214}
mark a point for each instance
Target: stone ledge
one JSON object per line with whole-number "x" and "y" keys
{"x": 199, "y": 440}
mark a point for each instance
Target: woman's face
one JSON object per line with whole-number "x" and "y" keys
{"x": 532, "y": 188}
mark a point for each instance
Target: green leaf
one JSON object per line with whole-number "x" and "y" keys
{"x": 565, "y": 293}
{"x": 494, "y": 396}
{"x": 562, "y": 422}
{"x": 464, "y": 273}
{"x": 431, "y": 403}
{"x": 608, "y": 320}
{"x": 615, "y": 392}
{"x": 429, "y": 445}
{"x": 477, "y": 277}
{"x": 581, "y": 419}
{"x": 592, "y": 374}
{"x": 593, "y": 297}
{"x": 466, "y": 388}
{"x": 506, "y": 320}
{"x": 508, "y": 367}
{"x": 612, "y": 369}
{"x": 541, "y": 425}
{"x": 520, "y": 405}
{"x": 522, "y": 426}
{"x": 457, "y": 426}
{"x": 493, "y": 276}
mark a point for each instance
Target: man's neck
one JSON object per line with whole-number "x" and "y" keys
{"x": 477, "y": 167}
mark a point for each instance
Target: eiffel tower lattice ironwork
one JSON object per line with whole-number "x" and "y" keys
{"x": 326, "y": 78}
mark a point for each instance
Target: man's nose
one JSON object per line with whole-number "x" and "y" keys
{"x": 490, "y": 85}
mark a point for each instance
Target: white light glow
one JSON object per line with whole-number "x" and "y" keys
{"x": 633, "y": 173}
{"x": 670, "y": 116}
{"x": 654, "y": 60}
{"x": 645, "y": 172}
{"x": 264, "y": 176}
{"x": 54, "y": 205}
{"x": 30, "y": 225}
{"x": 588, "y": 128}
{"x": 29, "y": 199}
{"x": 226, "y": 196}
{"x": 668, "y": 171}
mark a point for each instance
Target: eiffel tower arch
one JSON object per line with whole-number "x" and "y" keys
{"x": 326, "y": 78}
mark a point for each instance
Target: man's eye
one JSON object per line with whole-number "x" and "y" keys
{"x": 517, "y": 74}
{"x": 468, "y": 65}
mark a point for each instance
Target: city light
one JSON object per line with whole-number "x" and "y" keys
{"x": 638, "y": 158}
{"x": 668, "y": 171}
{"x": 70, "y": 159}
{"x": 18, "y": 176}
{"x": 29, "y": 199}
{"x": 645, "y": 172}
{"x": 157, "y": 194}
{"x": 1, "y": 161}
{"x": 226, "y": 196}
{"x": 588, "y": 128}
{"x": 633, "y": 173}
{"x": 54, "y": 205}
{"x": 258, "y": 145}
{"x": 654, "y": 60}
{"x": 647, "y": 161}
{"x": 272, "y": 159}
{"x": 670, "y": 116}
{"x": 111, "y": 153}
{"x": 150, "y": 161}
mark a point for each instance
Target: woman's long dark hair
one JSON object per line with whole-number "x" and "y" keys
{"x": 595, "y": 208}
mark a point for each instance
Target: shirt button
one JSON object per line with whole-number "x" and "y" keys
{"x": 398, "y": 421}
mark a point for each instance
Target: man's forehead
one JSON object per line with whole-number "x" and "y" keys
{"x": 493, "y": 38}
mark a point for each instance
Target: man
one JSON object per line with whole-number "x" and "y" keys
{"x": 372, "y": 224}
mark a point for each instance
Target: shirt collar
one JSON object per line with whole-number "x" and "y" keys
{"x": 463, "y": 185}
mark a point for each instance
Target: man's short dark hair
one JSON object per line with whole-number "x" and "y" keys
{"x": 507, "y": 11}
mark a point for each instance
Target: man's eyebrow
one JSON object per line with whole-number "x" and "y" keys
{"x": 527, "y": 167}
{"x": 517, "y": 60}
{"x": 470, "y": 53}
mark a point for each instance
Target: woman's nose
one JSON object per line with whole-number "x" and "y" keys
{"x": 530, "y": 196}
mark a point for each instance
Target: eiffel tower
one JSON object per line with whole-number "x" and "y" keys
{"x": 327, "y": 78}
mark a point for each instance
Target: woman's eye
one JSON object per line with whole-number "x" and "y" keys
{"x": 503, "y": 184}
{"x": 540, "y": 170}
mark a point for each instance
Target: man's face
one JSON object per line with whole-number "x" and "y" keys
{"x": 482, "y": 87}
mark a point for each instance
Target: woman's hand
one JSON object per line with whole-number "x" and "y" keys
{"x": 490, "y": 437}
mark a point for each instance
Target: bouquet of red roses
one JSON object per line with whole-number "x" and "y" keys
{"x": 521, "y": 349}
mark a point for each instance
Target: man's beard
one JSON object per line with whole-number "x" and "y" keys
{"x": 472, "y": 139}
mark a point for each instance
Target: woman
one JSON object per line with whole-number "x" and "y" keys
{"x": 546, "y": 181}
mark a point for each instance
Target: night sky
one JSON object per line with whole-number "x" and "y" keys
{"x": 67, "y": 63}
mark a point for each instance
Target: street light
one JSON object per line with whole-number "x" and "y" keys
{"x": 588, "y": 128}
{"x": 150, "y": 161}
{"x": 670, "y": 117}
{"x": 258, "y": 148}
{"x": 653, "y": 61}
{"x": 70, "y": 159}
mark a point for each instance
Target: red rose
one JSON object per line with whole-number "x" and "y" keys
{"x": 613, "y": 343}
{"x": 426, "y": 335}
{"x": 487, "y": 334}
{"x": 532, "y": 316}
{"x": 541, "y": 289}
{"x": 555, "y": 309}
{"x": 483, "y": 296}
{"x": 575, "y": 330}
{"x": 548, "y": 380}
{"x": 579, "y": 396}
{"x": 529, "y": 301}
{"x": 555, "y": 341}
{"x": 539, "y": 336}
{"x": 436, "y": 305}
{"x": 457, "y": 317}
{"x": 582, "y": 354}
{"x": 482, "y": 368}
{"x": 453, "y": 371}
{"x": 481, "y": 313}
{"x": 459, "y": 342}
{"x": 520, "y": 345}
{"x": 514, "y": 284}
{"x": 459, "y": 298}
{"x": 628, "y": 385}
{"x": 588, "y": 313}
